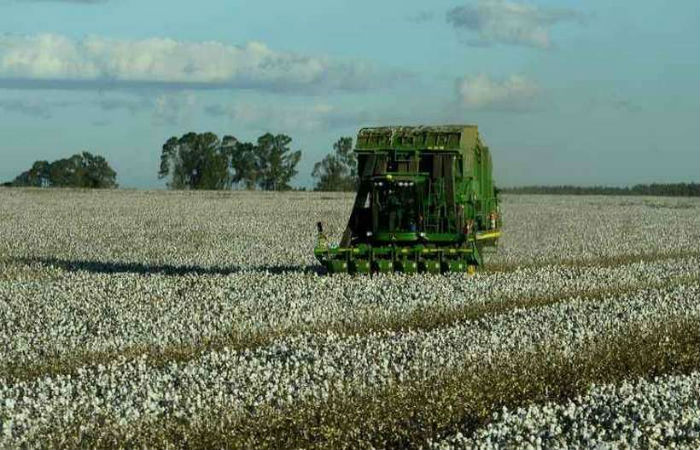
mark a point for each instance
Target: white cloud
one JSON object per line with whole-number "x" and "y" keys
{"x": 165, "y": 107}
{"x": 510, "y": 22}
{"x": 312, "y": 117}
{"x": 132, "y": 104}
{"x": 26, "y": 61}
{"x": 483, "y": 92}
{"x": 174, "y": 108}
{"x": 33, "y": 108}
{"x": 37, "y": 106}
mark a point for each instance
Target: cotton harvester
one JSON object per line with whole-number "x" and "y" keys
{"x": 425, "y": 203}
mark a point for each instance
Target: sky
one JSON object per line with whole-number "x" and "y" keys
{"x": 564, "y": 92}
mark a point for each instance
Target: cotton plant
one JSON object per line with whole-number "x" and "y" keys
{"x": 141, "y": 308}
{"x": 659, "y": 413}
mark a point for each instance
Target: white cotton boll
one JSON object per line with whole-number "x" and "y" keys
{"x": 7, "y": 426}
{"x": 178, "y": 269}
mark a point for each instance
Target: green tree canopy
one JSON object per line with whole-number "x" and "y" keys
{"x": 275, "y": 162}
{"x": 83, "y": 170}
{"x": 244, "y": 163}
{"x": 197, "y": 161}
{"x": 337, "y": 171}
{"x": 203, "y": 161}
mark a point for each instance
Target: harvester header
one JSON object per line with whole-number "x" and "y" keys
{"x": 425, "y": 203}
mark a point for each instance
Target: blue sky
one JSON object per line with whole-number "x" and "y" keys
{"x": 564, "y": 92}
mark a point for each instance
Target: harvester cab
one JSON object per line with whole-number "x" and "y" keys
{"x": 425, "y": 203}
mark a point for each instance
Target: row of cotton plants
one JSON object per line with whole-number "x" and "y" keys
{"x": 136, "y": 319}
{"x": 576, "y": 229}
{"x": 88, "y": 313}
{"x": 310, "y": 367}
{"x": 663, "y": 413}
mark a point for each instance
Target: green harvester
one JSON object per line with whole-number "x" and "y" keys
{"x": 425, "y": 203}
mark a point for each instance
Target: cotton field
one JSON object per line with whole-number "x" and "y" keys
{"x": 135, "y": 319}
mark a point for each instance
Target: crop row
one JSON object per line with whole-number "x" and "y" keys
{"x": 83, "y": 317}
{"x": 198, "y": 319}
{"x": 311, "y": 368}
{"x": 661, "y": 413}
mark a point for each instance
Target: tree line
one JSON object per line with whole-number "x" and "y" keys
{"x": 654, "y": 189}
{"x": 205, "y": 161}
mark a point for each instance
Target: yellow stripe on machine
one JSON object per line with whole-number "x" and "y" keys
{"x": 488, "y": 235}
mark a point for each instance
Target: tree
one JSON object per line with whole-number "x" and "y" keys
{"x": 275, "y": 163}
{"x": 37, "y": 176}
{"x": 202, "y": 161}
{"x": 197, "y": 161}
{"x": 337, "y": 171}
{"x": 92, "y": 171}
{"x": 80, "y": 170}
{"x": 243, "y": 161}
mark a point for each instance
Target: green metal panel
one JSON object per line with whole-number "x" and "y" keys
{"x": 408, "y": 266}
{"x": 435, "y": 138}
{"x": 361, "y": 266}
{"x": 338, "y": 266}
{"x": 431, "y": 266}
{"x": 457, "y": 265}
{"x": 384, "y": 265}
